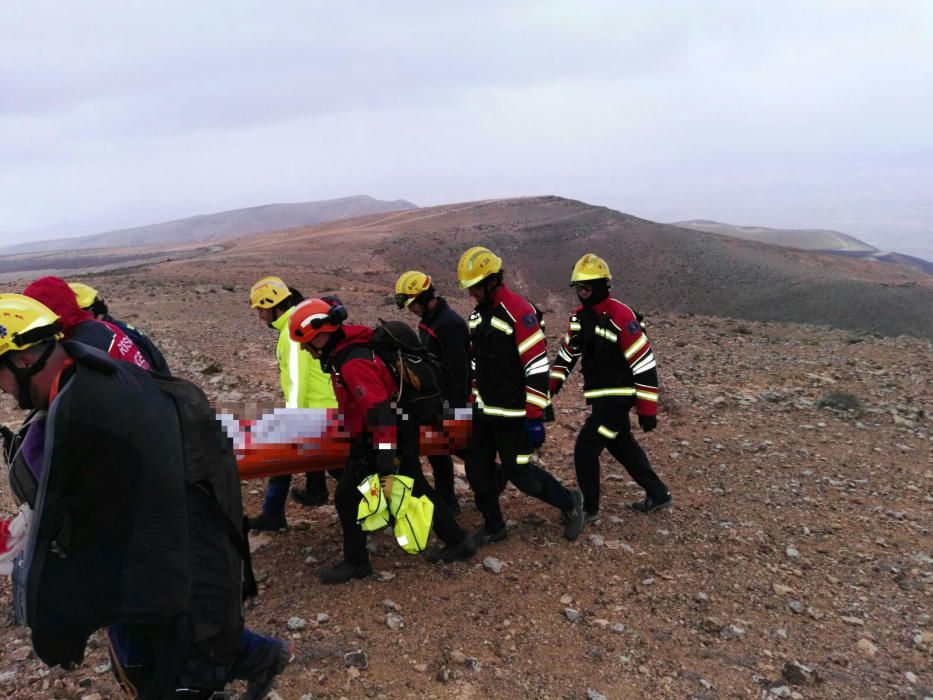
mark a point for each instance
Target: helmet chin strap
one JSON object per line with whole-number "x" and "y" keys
{"x": 24, "y": 376}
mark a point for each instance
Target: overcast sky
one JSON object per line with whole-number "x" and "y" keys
{"x": 773, "y": 113}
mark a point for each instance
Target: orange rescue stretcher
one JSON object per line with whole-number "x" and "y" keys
{"x": 299, "y": 440}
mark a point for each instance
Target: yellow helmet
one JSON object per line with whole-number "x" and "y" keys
{"x": 268, "y": 292}
{"x": 409, "y": 286}
{"x": 476, "y": 265}
{"x": 84, "y": 294}
{"x": 590, "y": 267}
{"x": 24, "y": 322}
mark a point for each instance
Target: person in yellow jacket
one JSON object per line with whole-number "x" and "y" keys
{"x": 304, "y": 385}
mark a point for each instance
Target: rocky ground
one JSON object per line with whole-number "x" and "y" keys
{"x": 797, "y": 561}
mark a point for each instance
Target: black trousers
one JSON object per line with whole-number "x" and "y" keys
{"x": 315, "y": 482}
{"x": 508, "y": 440}
{"x": 442, "y": 466}
{"x": 609, "y": 427}
{"x": 347, "y": 500}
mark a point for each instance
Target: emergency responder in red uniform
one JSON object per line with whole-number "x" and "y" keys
{"x": 509, "y": 365}
{"x": 444, "y": 333}
{"x": 379, "y": 441}
{"x": 619, "y": 371}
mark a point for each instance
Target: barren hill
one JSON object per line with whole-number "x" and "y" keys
{"x": 796, "y": 561}
{"x": 806, "y": 239}
{"x": 656, "y": 267}
{"x": 214, "y": 227}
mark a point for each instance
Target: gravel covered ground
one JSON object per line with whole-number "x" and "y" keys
{"x": 795, "y": 563}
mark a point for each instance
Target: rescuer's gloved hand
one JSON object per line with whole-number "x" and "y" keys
{"x": 386, "y": 463}
{"x": 534, "y": 429}
{"x": 549, "y": 414}
{"x": 648, "y": 423}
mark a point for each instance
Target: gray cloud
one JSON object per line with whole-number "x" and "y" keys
{"x": 785, "y": 113}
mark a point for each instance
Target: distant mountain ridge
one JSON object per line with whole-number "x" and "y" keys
{"x": 206, "y": 228}
{"x": 805, "y": 239}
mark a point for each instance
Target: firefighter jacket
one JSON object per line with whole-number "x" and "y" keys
{"x": 508, "y": 355}
{"x": 365, "y": 389}
{"x": 304, "y": 383}
{"x": 445, "y": 335}
{"x": 618, "y": 363}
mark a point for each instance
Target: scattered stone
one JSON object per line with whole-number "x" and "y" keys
{"x": 566, "y": 599}
{"x": 796, "y": 673}
{"x": 866, "y": 647}
{"x": 923, "y": 641}
{"x": 390, "y": 604}
{"x": 713, "y": 625}
{"x": 597, "y": 540}
{"x": 781, "y": 632}
{"x": 618, "y": 628}
{"x": 792, "y": 553}
{"x": 648, "y": 581}
{"x": 492, "y": 564}
{"x": 458, "y": 657}
{"x": 781, "y": 589}
{"x": 356, "y": 659}
{"x": 296, "y": 623}
{"x": 384, "y": 576}
{"x": 572, "y": 615}
{"x": 92, "y": 696}
{"x": 594, "y": 695}
{"x": 322, "y": 618}
{"x": 857, "y": 621}
{"x": 394, "y": 621}
{"x": 701, "y": 598}
{"x": 473, "y": 664}
{"x": 421, "y": 668}
{"x": 797, "y": 607}
{"x": 600, "y": 622}
{"x": 20, "y": 653}
{"x": 353, "y": 672}
{"x": 736, "y": 631}
{"x": 911, "y": 677}
{"x": 7, "y": 677}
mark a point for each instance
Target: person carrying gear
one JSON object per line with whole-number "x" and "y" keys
{"x": 619, "y": 371}
{"x": 118, "y": 536}
{"x": 91, "y": 301}
{"x": 79, "y": 325}
{"x": 444, "y": 333}
{"x": 379, "y": 441}
{"x": 509, "y": 362}
{"x": 304, "y": 385}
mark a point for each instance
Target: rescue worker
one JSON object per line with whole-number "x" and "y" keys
{"x": 379, "y": 440}
{"x": 81, "y": 326}
{"x": 91, "y": 301}
{"x": 110, "y": 542}
{"x": 509, "y": 362}
{"x": 304, "y": 385}
{"x": 619, "y": 372}
{"x": 444, "y": 333}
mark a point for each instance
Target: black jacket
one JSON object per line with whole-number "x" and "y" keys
{"x": 117, "y": 535}
{"x": 444, "y": 333}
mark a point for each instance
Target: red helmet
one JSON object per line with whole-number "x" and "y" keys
{"x": 309, "y": 318}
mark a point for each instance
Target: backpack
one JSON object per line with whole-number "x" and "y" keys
{"x": 214, "y": 506}
{"x": 418, "y": 373}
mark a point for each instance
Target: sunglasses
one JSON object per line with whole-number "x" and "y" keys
{"x": 403, "y": 300}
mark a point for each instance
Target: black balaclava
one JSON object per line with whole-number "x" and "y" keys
{"x": 24, "y": 377}
{"x": 600, "y": 292}
{"x": 424, "y": 299}
{"x": 489, "y": 286}
{"x": 336, "y": 336}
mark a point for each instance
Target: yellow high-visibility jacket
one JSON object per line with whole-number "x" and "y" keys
{"x": 304, "y": 383}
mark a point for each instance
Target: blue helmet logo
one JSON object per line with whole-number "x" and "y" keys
{"x": 3, "y": 331}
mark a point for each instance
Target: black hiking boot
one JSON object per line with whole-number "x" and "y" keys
{"x": 590, "y": 518}
{"x": 268, "y": 523}
{"x": 310, "y": 499}
{"x": 260, "y": 680}
{"x": 481, "y": 536}
{"x": 649, "y": 505}
{"x": 341, "y": 572}
{"x": 573, "y": 518}
{"x": 451, "y": 552}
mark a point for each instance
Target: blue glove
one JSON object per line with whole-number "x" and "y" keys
{"x": 534, "y": 429}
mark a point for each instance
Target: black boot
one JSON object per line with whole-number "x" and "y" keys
{"x": 268, "y": 523}
{"x": 341, "y": 572}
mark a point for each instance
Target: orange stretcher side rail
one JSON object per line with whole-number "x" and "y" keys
{"x": 331, "y": 450}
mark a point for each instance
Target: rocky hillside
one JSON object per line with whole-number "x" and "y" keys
{"x": 796, "y": 562}
{"x": 228, "y": 224}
